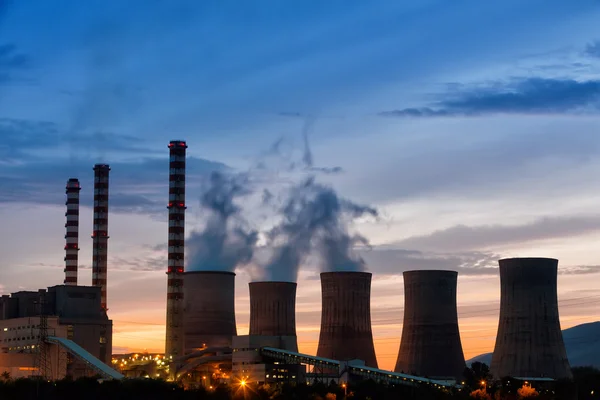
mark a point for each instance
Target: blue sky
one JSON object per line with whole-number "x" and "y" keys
{"x": 473, "y": 127}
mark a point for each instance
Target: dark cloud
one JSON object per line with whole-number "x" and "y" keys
{"x": 417, "y": 112}
{"x": 31, "y": 171}
{"x": 593, "y": 49}
{"x": 11, "y": 60}
{"x": 465, "y": 238}
{"x": 523, "y": 96}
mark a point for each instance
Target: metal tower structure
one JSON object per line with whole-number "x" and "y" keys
{"x": 174, "y": 336}
{"x": 100, "y": 230}
{"x": 42, "y": 362}
{"x": 72, "y": 232}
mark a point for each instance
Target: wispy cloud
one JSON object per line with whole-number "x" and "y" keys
{"x": 11, "y": 60}
{"x": 468, "y": 238}
{"x": 395, "y": 260}
{"x": 518, "y": 96}
{"x": 593, "y": 49}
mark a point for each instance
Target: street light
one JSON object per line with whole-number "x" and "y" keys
{"x": 345, "y": 389}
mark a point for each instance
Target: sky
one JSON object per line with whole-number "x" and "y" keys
{"x": 472, "y": 127}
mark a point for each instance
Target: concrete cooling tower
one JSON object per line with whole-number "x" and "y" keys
{"x": 273, "y": 312}
{"x": 430, "y": 344}
{"x": 346, "y": 317}
{"x": 529, "y": 341}
{"x": 209, "y": 309}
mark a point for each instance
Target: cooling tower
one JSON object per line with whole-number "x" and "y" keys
{"x": 273, "y": 311}
{"x": 430, "y": 344}
{"x": 529, "y": 341}
{"x": 346, "y": 317}
{"x": 176, "y": 244}
{"x": 72, "y": 232}
{"x": 100, "y": 230}
{"x": 209, "y": 309}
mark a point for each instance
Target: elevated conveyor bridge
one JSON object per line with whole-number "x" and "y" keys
{"x": 342, "y": 367}
{"x": 82, "y": 354}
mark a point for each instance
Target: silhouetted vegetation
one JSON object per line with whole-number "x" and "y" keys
{"x": 588, "y": 380}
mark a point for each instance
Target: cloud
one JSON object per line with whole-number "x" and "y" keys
{"x": 395, "y": 260}
{"x": 34, "y": 171}
{"x": 593, "y": 49}
{"x": 467, "y": 238}
{"x": 519, "y": 96}
{"x": 11, "y": 60}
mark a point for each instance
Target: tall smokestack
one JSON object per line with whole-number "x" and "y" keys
{"x": 72, "y": 232}
{"x": 346, "y": 317}
{"x": 100, "y": 230}
{"x": 529, "y": 341}
{"x": 209, "y": 311}
{"x": 430, "y": 344}
{"x": 175, "y": 339}
{"x": 273, "y": 311}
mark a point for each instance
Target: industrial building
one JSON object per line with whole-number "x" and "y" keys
{"x": 249, "y": 365}
{"x": 70, "y": 312}
{"x": 430, "y": 344}
{"x": 346, "y": 317}
{"x": 529, "y": 342}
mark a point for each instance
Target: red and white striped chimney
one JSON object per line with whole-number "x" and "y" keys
{"x": 72, "y": 234}
{"x": 100, "y": 230}
{"x": 176, "y": 244}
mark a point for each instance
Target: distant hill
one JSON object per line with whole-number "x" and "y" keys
{"x": 582, "y": 343}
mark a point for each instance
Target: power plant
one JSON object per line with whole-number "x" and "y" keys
{"x": 430, "y": 344}
{"x": 273, "y": 311}
{"x": 72, "y": 232}
{"x": 100, "y": 230}
{"x": 346, "y": 317}
{"x": 209, "y": 309}
{"x": 529, "y": 341}
{"x": 176, "y": 249}
{"x": 65, "y": 330}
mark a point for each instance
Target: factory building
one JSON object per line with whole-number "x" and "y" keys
{"x": 529, "y": 342}
{"x": 346, "y": 318}
{"x": 430, "y": 344}
{"x": 249, "y": 366}
{"x": 72, "y": 312}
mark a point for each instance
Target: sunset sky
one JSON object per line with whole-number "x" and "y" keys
{"x": 473, "y": 127}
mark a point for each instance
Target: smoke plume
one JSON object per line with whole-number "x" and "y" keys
{"x": 315, "y": 219}
{"x": 225, "y": 241}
